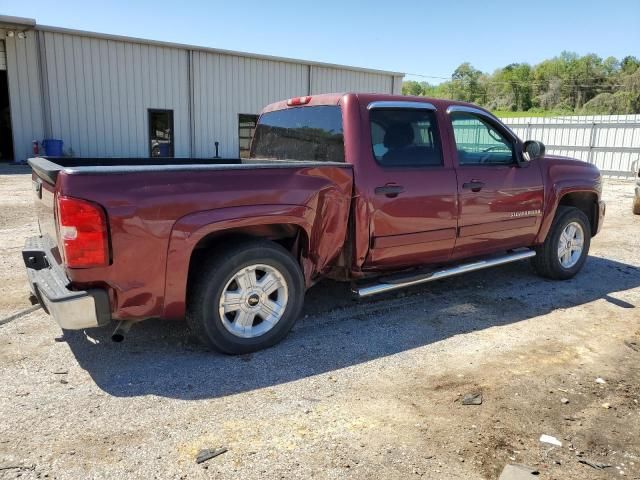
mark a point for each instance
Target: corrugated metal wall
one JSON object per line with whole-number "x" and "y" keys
{"x": 24, "y": 92}
{"x": 327, "y": 79}
{"x": 397, "y": 85}
{"x": 99, "y": 92}
{"x": 94, "y": 91}
{"x": 611, "y": 142}
{"x": 226, "y": 85}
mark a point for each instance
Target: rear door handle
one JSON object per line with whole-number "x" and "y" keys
{"x": 390, "y": 191}
{"x": 473, "y": 185}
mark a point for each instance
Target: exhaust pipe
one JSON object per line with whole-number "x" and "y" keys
{"x": 121, "y": 330}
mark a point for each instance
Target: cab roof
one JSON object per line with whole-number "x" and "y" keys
{"x": 364, "y": 98}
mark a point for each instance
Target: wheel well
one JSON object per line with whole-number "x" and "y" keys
{"x": 291, "y": 237}
{"x": 585, "y": 201}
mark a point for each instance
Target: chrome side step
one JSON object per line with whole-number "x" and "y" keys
{"x": 439, "y": 274}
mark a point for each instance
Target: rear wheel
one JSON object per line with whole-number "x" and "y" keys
{"x": 566, "y": 247}
{"x": 246, "y": 298}
{"x": 636, "y": 205}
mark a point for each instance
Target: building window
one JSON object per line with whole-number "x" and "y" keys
{"x": 246, "y": 128}
{"x": 160, "y": 133}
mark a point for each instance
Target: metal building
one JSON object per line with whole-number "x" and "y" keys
{"x": 114, "y": 96}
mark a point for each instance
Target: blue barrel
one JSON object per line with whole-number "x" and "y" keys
{"x": 165, "y": 149}
{"x": 52, "y": 147}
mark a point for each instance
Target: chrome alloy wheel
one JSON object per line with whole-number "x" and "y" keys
{"x": 570, "y": 245}
{"x": 253, "y": 300}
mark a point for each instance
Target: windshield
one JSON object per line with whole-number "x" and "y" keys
{"x": 302, "y": 133}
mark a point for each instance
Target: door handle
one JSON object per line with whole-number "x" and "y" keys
{"x": 390, "y": 191}
{"x": 473, "y": 185}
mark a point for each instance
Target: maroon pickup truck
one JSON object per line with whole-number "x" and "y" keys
{"x": 382, "y": 191}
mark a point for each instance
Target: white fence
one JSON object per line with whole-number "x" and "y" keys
{"x": 611, "y": 142}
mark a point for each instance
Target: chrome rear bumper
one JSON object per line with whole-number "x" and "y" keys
{"x": 71, "y": 309}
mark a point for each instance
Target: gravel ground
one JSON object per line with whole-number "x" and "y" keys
{"x": 358, "y": 390}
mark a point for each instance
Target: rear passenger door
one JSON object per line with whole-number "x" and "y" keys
{"x": 411, "y": 187}
{"x": 500, "y": 202}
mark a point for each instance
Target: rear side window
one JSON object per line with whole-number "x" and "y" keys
{"x": 302, "y": 133}
{"x": 405, "y": 137}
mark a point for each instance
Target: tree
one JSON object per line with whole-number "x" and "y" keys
{"x": 603, "y": 103}
{"x": 610, "y": 103}
{"x": 611, "y": 66}
{"x": 518, "y": 77}
{"x": 465, "y": 80}
{"x": 412, "y": 87}
{"x": 629, "y": 64}
{"x": 568, "y": 82}
{"x": 552, "y": 96}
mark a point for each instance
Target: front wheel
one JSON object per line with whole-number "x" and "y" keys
{"x": 566, "y": 247}
{"x": 246, "y": 298}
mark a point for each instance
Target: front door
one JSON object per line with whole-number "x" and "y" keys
{"x": 500, "y": 203}
{"x": 412, "y": 189}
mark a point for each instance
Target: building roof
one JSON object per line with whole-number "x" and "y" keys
{"x": 7, "y": 21}
{"x": 30, "y": 23}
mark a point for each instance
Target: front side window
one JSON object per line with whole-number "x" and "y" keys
{"x": 301, "y": 133}
{"x": 478, "y": 142}
{"x": 405, "y": 137}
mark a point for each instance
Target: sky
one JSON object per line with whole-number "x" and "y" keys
{"x": 429, "y": 38}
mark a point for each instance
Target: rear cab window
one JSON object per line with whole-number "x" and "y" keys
{"x": 301, "y": 133}
{"x": 405, "y": 137}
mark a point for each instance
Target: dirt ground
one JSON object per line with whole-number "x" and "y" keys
{"x": 369, "y": 389}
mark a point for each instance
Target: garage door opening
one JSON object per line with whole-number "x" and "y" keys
{"x": 246, "y": 128}
{"x": 6, "y": 136}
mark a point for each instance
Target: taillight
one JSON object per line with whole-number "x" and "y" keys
{"x": 299, "y": 101}
{"x": 82, "y": 228}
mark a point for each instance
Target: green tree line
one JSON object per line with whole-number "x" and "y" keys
{"x": 566, "y": 84}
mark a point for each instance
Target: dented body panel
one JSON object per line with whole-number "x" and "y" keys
{"x": 157, "y": 218}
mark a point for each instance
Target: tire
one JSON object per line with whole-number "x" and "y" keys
{"x": 636, "y": 205}
{"x": 230, "y": 273}
{"x": 547, "y": 261}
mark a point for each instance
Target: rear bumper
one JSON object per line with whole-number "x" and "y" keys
{"x": 602, "y": 208}
{"x": 71, "y": 309}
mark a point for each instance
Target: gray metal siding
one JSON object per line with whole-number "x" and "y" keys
{"x": 397, "y": 85}
{"x": 227, "y": 85}
{"x": 93, "y": 91}
{"x": 99, "y": 92}
{"x": 25, "y": 95}
{"x": 329, "y": 80}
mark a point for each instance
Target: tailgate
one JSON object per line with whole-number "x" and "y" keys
{"x": 43, "y": 177}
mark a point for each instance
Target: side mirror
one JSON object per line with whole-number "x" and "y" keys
{"x": 533, "y": 149}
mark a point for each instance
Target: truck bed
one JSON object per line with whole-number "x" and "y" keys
{"x": 160, "y": 210}
{"x": 49, "y": 168}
